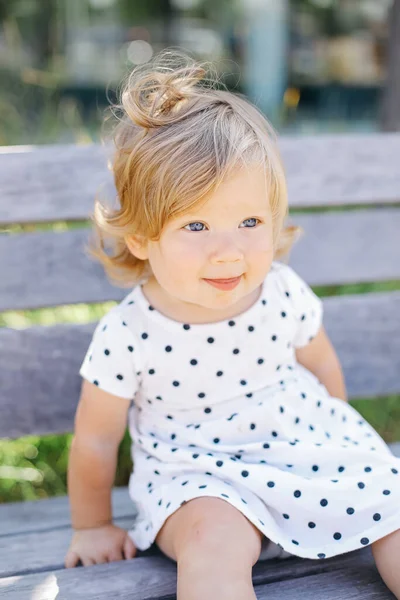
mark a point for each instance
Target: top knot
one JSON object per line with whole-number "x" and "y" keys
{"x": 156, "y": 93}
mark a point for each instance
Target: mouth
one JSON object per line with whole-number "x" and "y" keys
{"x": 224, "y": 284}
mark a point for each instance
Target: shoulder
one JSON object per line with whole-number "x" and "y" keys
{"x": 286, "y": 278}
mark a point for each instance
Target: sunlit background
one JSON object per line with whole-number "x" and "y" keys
{"x": 312, "y": 66}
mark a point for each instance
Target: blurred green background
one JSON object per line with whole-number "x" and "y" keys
{"x": 311, "y": 65}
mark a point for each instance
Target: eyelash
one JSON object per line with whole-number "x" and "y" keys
{"x": 193, "y": 222}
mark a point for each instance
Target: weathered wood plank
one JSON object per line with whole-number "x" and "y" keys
{"x": 60, "y": 272}
{"x": 53, "y": 513}
{"x": 20, "y": 518}
{"x": 40, "y": 365}
{"x": 47, "y": 183}
{"x": 350, "y": 576}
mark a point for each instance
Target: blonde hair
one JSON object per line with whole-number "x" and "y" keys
{"x": 176, "y": 139}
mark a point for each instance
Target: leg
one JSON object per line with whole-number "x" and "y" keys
{"x": 386, "y": 552}
{"x": 215, "y": 548}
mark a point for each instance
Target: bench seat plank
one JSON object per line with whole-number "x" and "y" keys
{"x": 352, "y": 575}
{"x": 40, "y": 543}
{"x": 59, "y": 272}
{"x": 322, "y": 170}
{"x": 40, "y": 365}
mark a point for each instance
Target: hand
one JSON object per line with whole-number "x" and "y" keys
{"x": 98, "y": 545}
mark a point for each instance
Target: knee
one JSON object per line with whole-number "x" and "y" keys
{"x": 221, "y": 531}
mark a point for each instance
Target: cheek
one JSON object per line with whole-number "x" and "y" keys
{"x": 179, "y": 254}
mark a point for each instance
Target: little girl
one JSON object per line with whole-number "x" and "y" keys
{"x": 244, "y": 446}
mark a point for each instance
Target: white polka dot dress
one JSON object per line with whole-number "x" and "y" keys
{"x": 224, "y": 410}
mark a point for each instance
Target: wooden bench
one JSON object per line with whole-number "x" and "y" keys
{"x": 40, "y": 383}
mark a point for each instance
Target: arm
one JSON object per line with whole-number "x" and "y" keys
{"x": 100, "y": 424}
{"x": 320, "y": 358}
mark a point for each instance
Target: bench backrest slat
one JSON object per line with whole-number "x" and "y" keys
{"x": 55, "y": 183}
{"x": 40, "y": 380}
{"x": 48, "y": 269}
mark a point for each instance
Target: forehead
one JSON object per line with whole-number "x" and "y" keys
{"x": 243, "y": 190}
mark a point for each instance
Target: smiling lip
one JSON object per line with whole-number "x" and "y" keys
{"x": 224, "y": 284}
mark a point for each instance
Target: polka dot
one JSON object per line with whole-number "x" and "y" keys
{"x": 106, "y": 352}
{"x": 283, "y": 314}
{"x": 303, "y": 317}
{"x": 243, "y": 382}
{"x": 297, "y": 494}
{"x": 186, "y": 326}
{"x": 168, "y": 348}
{"x": 220, "y": 373}
{"x": 250, "y": 328}
{"x": 236, "y": 351}
{"x": 315, "y": 467}
{"x": 219, "y": 463}
{"x": 120, "y": 377}
{"x": 274, "y": 338}
{"x": 96, "y": 382}
{"x": 361, "y": 485}
{"x": 264, "y": 302}
{"x": 266, "y": 445}
{"x": 151, "y": 371}
{"x": 377, "y": 517}
{"x": 260, "y": 361}
{"x": 311, "y": 525}
{"x": 216, "y": 440}
{"x": 249, "y": 395}
{"x": 271, "y": 484}
{"x": 285, "y": 516}
{"x": 201, "y": 395}
{"x": 364, "y": 541}
{"x": 350, "y": 510}
{"x": 323, "y": 502}
{"x": 295, "y": 542}
{"x": 245, "y": 473}
{"x": 207, "y": 410}
{"x": 175, "y": 383}
{"x": 341, "y": 469}
{"x": 367, "y": 469}
{"x": 395, "y": 471}
{"x": 337, "y": 536}
{"x": 231, "y": 323}
{"x": 321, "y": 555}
{"x": 130, "y": 348}
{"x": 210, "y": 340}
{"x": 193, "y": 361}
{"x": 386, "y": 492}
{"x": 145, "y": 336}
{"x": 252, "y": 426}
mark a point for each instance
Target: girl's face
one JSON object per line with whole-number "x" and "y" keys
{"x": 229, "y": 236}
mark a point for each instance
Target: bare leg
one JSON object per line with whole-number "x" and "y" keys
{"x": 386, "y": 552}
{"x": 215, "y": 548}
{"x": 215, "y": 576}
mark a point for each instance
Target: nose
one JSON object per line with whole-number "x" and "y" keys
{"x": 225, "y": 248}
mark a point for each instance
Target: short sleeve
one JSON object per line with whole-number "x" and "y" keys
{"x": 110, "y": 359}
{"x": 308, "y": 308}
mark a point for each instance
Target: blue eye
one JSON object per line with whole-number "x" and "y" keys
{"x": 199, "y": 225}
{"x": 194, "y": 223}
{"x": 251, "y": 219}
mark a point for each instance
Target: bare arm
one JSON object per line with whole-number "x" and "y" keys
{"x": 320, "y": 358}
{"x": 100, "y": 424}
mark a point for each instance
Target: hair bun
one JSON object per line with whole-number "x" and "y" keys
{"x": 156, "y": 93}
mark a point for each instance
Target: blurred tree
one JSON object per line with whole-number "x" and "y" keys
{"x": 390, "y": 106}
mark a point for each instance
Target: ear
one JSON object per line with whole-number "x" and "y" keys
{"x": 138, "y": 246}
